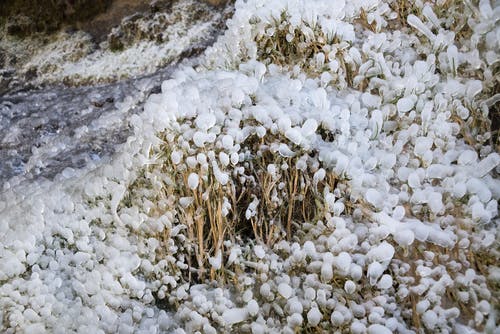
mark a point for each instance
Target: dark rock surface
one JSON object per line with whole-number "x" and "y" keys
{"x": 25, "y": 17}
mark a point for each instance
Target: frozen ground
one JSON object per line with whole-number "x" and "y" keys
{"x": 328, "y": 167}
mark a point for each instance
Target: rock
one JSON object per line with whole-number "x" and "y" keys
{"x": 25, "y": 17}
{"x": 215, "y": 2}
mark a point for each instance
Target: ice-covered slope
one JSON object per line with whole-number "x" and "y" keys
{"x": 328, "y": 167}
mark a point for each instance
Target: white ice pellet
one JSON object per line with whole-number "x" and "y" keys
{"x": 265, "y": 290}
{"x": 375, "y": 270}
{"x": 422, "y": 306}
{"x": 422, "y": 145}
{"x": 314, "y": 316}
{"x": 199, "y": 138}
{"x": 414, "y": 180}
{"x": 337, "y": 318}
{"x": 430, "y": 319}
{"x": 467, "y": 157}
{"x": 382, "y": 252}
{"x": 224, "y": 159}
{"x": 357, "y": 327}
{"x": 216, "y": 261}
{"x": 205, "y": 121}
{"x": 234, "y": 316}
{"x": 285, "y": 290}
{"x": 176, "y": 157}
{"x": 227, "y": 142}
{"x": 259, "y": 251}
{"x": 193, "y": 181}
{"x": 343, "y": 261}
{"x": 404, "y": 237}
{"x": 405, "y": 104}
{"x": 294, "y": 136}
{"x": 309, "y": 127}
{"x": 252, "y": 308}
{"x": 378, "y": 329}
{"x": 487, "y": 164}
{"x": 385, "y": 282}
{"x": 349, "y": 287}
{"x": 398, "y": 213}
{"x": 374, "y": 197}
{"x": 435, "y": 202}
{"x": 234, "y": 158}
{"x": 459, "y": 190}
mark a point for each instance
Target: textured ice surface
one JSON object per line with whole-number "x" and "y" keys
{"x": 111, "y": 250}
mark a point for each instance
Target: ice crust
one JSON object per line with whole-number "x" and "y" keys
{"x": 74, "y": 257}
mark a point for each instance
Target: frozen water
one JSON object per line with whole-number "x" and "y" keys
{"x": 380, "y": 154}
{"x": 193, "y": 181}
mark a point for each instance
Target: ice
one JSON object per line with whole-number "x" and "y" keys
{"x": 381, "y": 253}
{"x": 487, "y": 164}
{"x": 314, "y": 316}
{"x": 227, "y": 142}
{"x": 422, "y": 145}
{"x": 216, "y": 261}
{"x": 350, "y": 287}
{"x": 224, "y": 159}
{"x": 404, "y": 237}
{"x": 176, "y": 157}
{"x": 285, "y": 151}
{"x": 199, "y": 138}
{"x": 259, "y": 251}
{"x": 430, "y": 319}
{"x": 435, "y": 202}
{"x": 467, "y": 157}
{"x": 234, "y": 316}
{"x": 479, "y": 188}
{"x": 309, "y": 127}
{"x": 193, "y": 181}
{"x": 205, "y": 121}
{"x": 378, "y": 329}
{"x": 405, "y": 104}
{"x": 431, "y": 16}
{"x": 381, "y": 156}
{"x": 343, "y": 261}
{"x": 385, "y": 282}
{"x": 294, "y": 136}
{"x": 414, "y": 180}
{"x": 375, "y": 270}
{"x": 337, "y": 318}
{"x": 252, "y": 308}
{"x": 285, "y": 290}
{"x": 374, "y": 197}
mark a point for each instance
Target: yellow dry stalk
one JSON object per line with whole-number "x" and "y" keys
{"x": 289, "y": 47}
{"x": 280, "y": 210}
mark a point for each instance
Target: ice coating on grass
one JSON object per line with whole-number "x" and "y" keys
{"x": 382, "y": 152}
